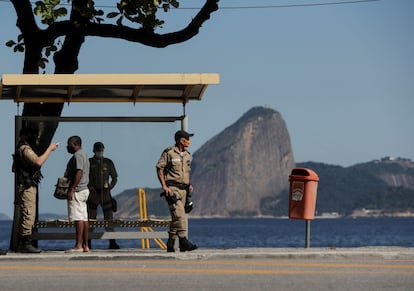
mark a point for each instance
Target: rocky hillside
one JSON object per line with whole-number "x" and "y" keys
{"x": 246, "y": 163}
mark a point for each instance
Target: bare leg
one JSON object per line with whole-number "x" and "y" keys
{"x": 79, "y": 234}
{"x": 85, "y": 236}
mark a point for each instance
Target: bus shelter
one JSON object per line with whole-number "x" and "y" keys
{"x": 178, "y": 88}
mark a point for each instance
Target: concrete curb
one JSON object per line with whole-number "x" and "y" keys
{"x": 406, "y": 253}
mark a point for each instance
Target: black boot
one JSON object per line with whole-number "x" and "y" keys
{"x": 170, "y": 245}
{"x": 113, "y": 245}
{"x": 185, "y": 245}
{"x": 25, "y": 245}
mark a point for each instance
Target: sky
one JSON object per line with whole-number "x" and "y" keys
{"x": 341, "y": 76}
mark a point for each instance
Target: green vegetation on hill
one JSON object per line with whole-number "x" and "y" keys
{"x": 362, "y": 186}
{"x": 344, "y": 190}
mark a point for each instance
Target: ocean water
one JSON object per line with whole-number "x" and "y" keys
{"x": 271, "y": 233}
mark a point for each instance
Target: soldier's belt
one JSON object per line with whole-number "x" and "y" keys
{"x": 181, "y": 186}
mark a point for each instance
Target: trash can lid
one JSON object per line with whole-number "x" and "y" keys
{"x": 304, "y": 174}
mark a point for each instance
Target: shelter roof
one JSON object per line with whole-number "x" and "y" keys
{"x": 59, "y": 88}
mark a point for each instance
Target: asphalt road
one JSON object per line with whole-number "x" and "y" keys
{"x": 227, "y": 270}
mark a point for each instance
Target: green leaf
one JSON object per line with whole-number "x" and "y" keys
{"x": 175, "y": 4}
{"x": 119, "y": 21}
{"x": 20, "y": 48}
{"x": 52, "y": 2}
{"x": 112, "y": 14}
{"x": 10, "y": 43}
{"x": 61, "y": 12}
{"x": 37, "y": 10}
{"x": 42, "y": 64}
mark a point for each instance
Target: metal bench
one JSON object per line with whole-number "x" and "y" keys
{"x": 65, "y": 230}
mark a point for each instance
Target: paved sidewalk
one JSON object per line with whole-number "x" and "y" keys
{"x": 406, "y": 253}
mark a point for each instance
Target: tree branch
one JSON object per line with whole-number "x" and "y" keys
{"x": 74, "y": 31}
{"x": 140, "y": 35}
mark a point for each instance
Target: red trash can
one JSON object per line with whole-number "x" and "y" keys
{"x": 302, "y": 193}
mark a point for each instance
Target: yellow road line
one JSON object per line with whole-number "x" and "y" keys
{"x": 156, "y": 270}
{"x": 275, "y": 264}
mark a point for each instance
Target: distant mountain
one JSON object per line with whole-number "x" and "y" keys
{"x": 52, "y": 216}
{"x": 128, "y": 206}
{"x": 4, "y": 217}
{"x": 244, "y": 171}
{"x": 42, "y": 216}
{"x": 244, "y": 166}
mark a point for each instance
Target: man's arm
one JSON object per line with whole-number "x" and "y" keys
{"x": 74, "y": 183}
{"x": 160, "y": 175}
{"x": 42, "y": 159}
{"x": 114, "y": 180}
{"x": 114, "y": 175}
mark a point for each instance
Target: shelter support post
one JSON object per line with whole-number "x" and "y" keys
{"x": 184, "y": 126}
{"x": 14, "y": 238}
{"x": 184, "y": 123}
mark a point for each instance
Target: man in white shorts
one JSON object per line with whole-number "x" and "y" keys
{"x": 77, "y": 171}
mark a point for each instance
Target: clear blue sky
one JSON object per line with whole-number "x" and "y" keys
{"x": 342, "y": 76}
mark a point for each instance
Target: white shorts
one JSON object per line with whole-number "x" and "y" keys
{"x": 77, "y": 207}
